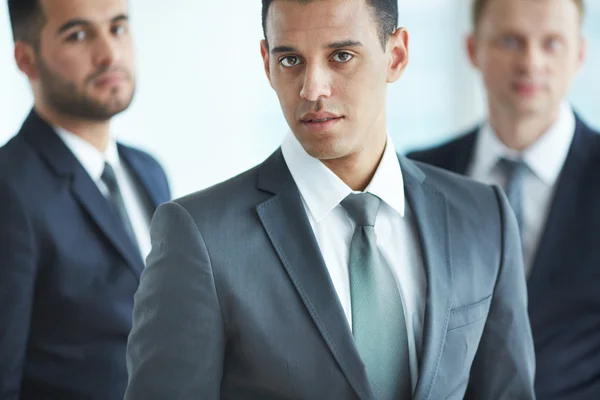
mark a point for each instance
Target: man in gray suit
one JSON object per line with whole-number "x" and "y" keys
{"x": 335, "y": 269}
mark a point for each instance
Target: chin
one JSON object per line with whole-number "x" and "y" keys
{"x": 324, "y": 150}
{"x": 530, "y": 108}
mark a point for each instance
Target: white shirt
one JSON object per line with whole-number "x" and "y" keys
{"x": 93, "y": 161}
{"x": 322, "y": 191}
{"x": 544, "y": 158}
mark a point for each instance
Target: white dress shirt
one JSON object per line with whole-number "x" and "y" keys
{"x": 322, "y": 191}
{"x": 544, "y": 159}
{"x": 93, "y": 161}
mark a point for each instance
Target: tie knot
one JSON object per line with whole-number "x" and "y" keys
{"x": 362, "y": 208}
{"x": 108, "y": 176}
{"x": 512, "y": 168}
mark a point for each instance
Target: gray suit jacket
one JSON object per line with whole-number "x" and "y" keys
{"x": 236, "y": 301}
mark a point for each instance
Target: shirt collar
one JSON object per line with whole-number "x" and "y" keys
{"x": 322, "y": 190}
{"x": 545, "y": 158}
{"x": 88, "y": 156}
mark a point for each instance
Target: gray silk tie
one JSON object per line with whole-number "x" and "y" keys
{"x": 378, "y": 323}
{"x": 115, "y": 199}
{"x": 514, "y": 172}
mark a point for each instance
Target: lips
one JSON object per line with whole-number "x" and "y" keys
{"x": 319, "y": 123}
{"x": 526, "y": 88}
{"x": 321, "y": 120}
{"x": 109, "y": 79}
{"x": 319, "y": 117}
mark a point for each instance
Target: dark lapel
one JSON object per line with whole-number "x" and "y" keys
{"x": 44, "y": 139}
{"x": 140, "y": 171}
{"x": 565, "y": 215}
{"x": 455, "y": 156}
{"x": 285, "y": 221}
{"x": 463, "y": 153}
{"x": 430, "y": 210}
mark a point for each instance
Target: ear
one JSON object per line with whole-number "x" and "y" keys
{"x": 25, "y": 58}
{"x": 471, "y": 43}
{"x": 264, "y": 52}
{"x": 397, "y": 47}
{"x": 582, "y": 56}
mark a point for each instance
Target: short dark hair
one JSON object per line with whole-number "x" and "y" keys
{"x": 385, "y": 13}
{"x": 480, "y": 5}
{"x": 27, "y": 20}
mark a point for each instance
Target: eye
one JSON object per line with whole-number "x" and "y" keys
{"x": 553, "y": 44}
{"x": 77, "y": 36}
{"x": 510, "y": 42}
{"x": 342, "y": 57}
{"x": 119, "y": 30}
{"x": 290, "y": 61}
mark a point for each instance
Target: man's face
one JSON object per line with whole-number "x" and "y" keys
{"x": 85, "y": 63}
{"x": 326, "y": 62}
{"x": 528, "y": 52}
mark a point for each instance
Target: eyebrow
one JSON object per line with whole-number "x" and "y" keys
{"x": 344, "y": 43}
{"x": 85, "y": 23}
{"x": 335, "y": 45}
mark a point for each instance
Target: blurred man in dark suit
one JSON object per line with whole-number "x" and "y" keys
{"x": 548, "y": 161}
{"x": 75, "y": 206}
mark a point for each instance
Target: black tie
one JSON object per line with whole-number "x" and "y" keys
{"x": 116, "y": 201}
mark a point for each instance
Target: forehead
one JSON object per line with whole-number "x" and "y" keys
{"x": 530, "y": 16}
{"x": 95, "y": 11}
{"x": 318, "y": 21}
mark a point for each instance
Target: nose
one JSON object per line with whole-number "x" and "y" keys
{"x": 532, "y": 59}
{"x": 106, "y": 51}
{"x": 316, "y": 83}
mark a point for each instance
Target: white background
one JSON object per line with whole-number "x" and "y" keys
{"x": 204, "y": 107}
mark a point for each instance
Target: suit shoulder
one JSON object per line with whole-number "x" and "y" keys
{"x": 447, "y": 180}
{"x": 140, "y": 154}
{"x": 14, "y": 149}
{"x": 443, "y": 151}
{"x": 591, "y": 135}
{"x": 145, "y": 161}
{"x": 19, "y": 162}
{"x": 224, "y": 196}
{"x": 461, "y": 191}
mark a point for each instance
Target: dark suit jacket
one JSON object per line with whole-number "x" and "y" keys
{"x": 564, "y": 285}
{"x": 68, "y": 272}
{"x": 236, "y": 301}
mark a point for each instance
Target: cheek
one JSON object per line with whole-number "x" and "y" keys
{"x": 496, "y": 63}
{"x": 287, "y": 91}
{"x": 363, "y": 86}
{"x": 561, "y": 75}
{"x": 128, "y": 54}
{"x": 564, "y": 67}
{"x": 71, "y": 67}
{"x": 497, "y": 72}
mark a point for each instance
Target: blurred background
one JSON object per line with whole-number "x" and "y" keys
{"x": 204, "y": 108}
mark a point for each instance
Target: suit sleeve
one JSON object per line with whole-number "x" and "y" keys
{"x": 176, "y": 347}
{"x": 504, "y": 366}
{"x": 18, "y": 271}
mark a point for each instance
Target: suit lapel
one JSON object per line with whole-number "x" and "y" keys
{"x": 91, "y": 200}
{"x": 564, "y": 215}
{"x": 42, "y": 137}
{"x": 430, "y": 211}
{"x": 286, "y": 224}
{"x": 146, "y": 182}
{"x": 459, "y": 162}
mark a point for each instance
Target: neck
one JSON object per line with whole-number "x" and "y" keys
{"x": 518, "y": 132}
{"x": 96, "y": 133}
{"x": 357, "y": 170}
